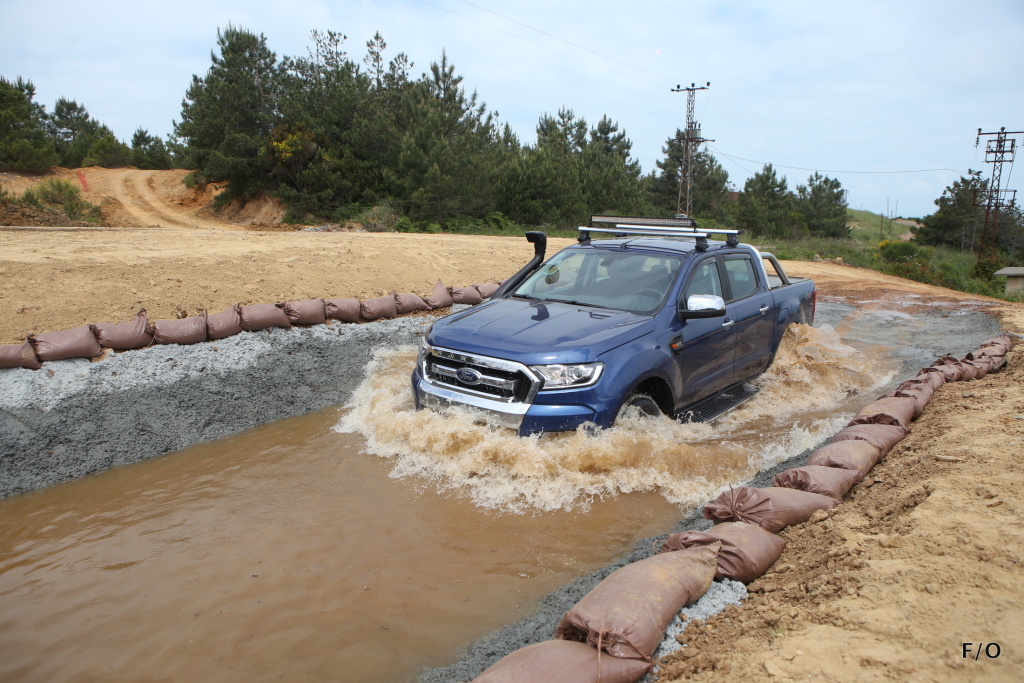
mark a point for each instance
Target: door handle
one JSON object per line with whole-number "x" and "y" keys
{"x": 764, "y": 309}
{"x": 728, "y": 323}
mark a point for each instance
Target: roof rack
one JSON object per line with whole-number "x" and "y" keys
{"x": 680, "y": 226}
{"x": 701, "y": 238}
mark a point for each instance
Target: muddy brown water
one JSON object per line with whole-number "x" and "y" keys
{"x": 368, "y": 544}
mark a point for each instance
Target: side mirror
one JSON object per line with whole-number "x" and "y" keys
{"x": 703, "y": 306}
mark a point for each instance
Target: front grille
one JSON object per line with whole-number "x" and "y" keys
{"x": 500, "y": 383}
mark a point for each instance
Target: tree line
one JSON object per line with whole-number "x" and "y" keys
{"x": 333, "y": 137}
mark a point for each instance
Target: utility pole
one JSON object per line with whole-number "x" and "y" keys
{"x": 998, "y": 151}
{"x": 692, "y": 141}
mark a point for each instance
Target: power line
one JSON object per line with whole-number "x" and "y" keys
{"x": 547, "y": 47}
{"x": 568, "y": 42}
{"x": 822, "y": 170}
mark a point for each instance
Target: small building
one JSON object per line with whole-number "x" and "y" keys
{"x": 1014, "y": 279}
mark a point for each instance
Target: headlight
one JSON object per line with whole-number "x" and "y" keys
{"x": 568, "y": 376}
{"x": 421, "y": 358}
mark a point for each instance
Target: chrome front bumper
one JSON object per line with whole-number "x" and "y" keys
{"x": 501, "y": 413}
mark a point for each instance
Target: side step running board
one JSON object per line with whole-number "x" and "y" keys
{"x": 710, "y": 408}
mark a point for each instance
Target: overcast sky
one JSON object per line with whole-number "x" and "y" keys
{"x": 836, "y": 86}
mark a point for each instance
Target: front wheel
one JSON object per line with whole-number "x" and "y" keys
{"x": 639, "y": 403}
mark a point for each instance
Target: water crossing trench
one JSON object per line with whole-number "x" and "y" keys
{"x": 147, "y": 571}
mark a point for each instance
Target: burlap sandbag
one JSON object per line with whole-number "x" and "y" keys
{"x": 970, "y": 371}
{"x": 562, "y": 661}
{"x": 439, "y": 297}
{"x": 747, "y": 549}
{"x": 345, "y": 310}
{"x": 920, "y": 390}
{"x": 486, "y": 289}
{"x": 379, "y": 307}
{"x": 410, "y": 303}
{"x": 185, "y": 331}
{"x": 883, "y": 436}
{"x": 626, "y": 614}
{"x": 982, "y": 365}
{"x": 1003, "y": 342}
{"x": 773, "y": 508}
{"x": 19, "y": 356}
{"x": 933, "y": 376}
{"x": 466, "y": 295}
{"x": 887, "y": 411}
{"x": 993, "y": 351}
{"x": 77, "y": 343}
{"x": 950, "y": 367}
{"x": 133, "y": 334}
{"x": 308, "y": 312}
{"x": 828, "y": 481}
{"x": 225, "y": 324}
{"x": 261, "y": 316}
{"x": 854, "y": 455}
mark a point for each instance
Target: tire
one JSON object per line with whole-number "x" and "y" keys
{"x": 646, "y": 405}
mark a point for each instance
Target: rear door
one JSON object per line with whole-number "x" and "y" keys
{"x": 705, "y": 358}
{"x": 749, "y": 305}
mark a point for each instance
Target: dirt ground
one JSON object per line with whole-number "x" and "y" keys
{"x": 924, "y": 556}
{"x": 58, "y": 279}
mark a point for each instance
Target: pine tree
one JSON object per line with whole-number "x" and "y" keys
{"x": 149, "y": 151}
{"x": 766, "y": 205}
{"x": 958, "y": 221}
{"x": 228, "y": 115}
{"x": 822, "y": 203}
{"x": 24, "y": 145}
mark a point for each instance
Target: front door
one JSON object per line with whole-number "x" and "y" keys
{"x": 706, "y": 355}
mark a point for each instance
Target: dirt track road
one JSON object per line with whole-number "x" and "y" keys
{"x": 134, "y": 198}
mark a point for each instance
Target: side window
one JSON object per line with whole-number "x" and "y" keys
{"x": 742, "y": 280}
{"x": 705, "y": 280}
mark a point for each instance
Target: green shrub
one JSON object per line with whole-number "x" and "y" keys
{"x": 381, "y": 218}
{"x": 898, "y": 252}
{"x": 57, "y": 195}
{"x": 194, "y": 180}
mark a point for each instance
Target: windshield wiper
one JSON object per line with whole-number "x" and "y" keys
{"x": 576, "y": 303}
{"x": 527, "y": 296}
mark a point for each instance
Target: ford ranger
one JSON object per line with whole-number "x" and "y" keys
{"x": 653, "y": 315}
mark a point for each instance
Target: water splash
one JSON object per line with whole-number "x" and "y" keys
{"x": 687, "y": 463}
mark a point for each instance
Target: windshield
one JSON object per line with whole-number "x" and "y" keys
{"x": 619, "y": 280}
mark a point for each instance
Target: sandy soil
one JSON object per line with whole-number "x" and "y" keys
{"x": 925, "y": 555}
{"x": 59, "y": 279}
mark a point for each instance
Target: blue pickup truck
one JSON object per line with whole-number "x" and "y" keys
{"x": 652, "y": 315}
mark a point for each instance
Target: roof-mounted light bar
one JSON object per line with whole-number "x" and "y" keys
{"x": 645, "y": 221}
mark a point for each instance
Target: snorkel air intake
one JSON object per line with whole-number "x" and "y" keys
{"x": 540, "y": 245}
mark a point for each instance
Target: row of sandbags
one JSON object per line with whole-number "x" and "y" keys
{"x": 89, "y": 341}
{"x": 610, "y": 635}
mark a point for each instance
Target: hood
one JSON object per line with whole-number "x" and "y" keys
{"x": 537, "y": 332}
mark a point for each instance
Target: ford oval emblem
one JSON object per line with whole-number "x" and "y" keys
{"x": 468, "y": 376}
